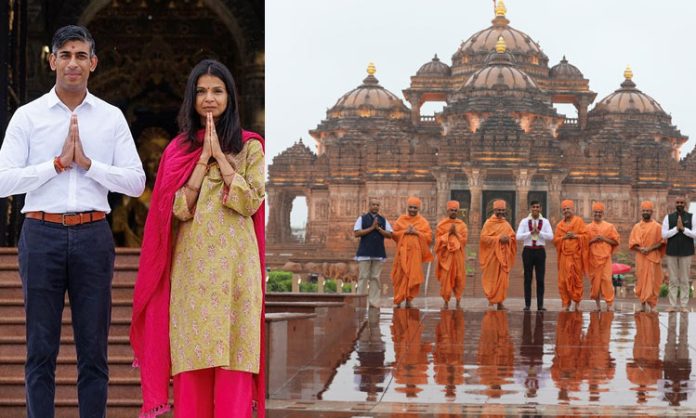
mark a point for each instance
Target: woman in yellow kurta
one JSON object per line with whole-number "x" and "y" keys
{"x": 211, "y": 184}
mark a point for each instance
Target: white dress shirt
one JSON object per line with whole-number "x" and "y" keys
{"x": 525, "y": 234}
{"x": 669, "y": 233}
{"x": 35, "y": 136}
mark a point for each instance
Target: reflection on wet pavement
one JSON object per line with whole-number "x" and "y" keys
{"x": 453, "y": 357}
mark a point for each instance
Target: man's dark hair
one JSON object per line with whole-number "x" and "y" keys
{"x": 72, "y": 33}
{"x": 534, "y": 202}
{"x": 228, "y": 127}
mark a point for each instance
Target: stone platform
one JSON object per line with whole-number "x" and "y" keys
{"x": 428, "y": 362}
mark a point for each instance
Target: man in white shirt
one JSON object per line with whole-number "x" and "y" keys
{"x": 372, "y": 228}
{"x": 66, "y": 150}
{"x": 534, "y": 231}
{"x": 677, "y": 229}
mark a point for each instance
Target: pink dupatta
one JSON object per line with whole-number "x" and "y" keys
{"x": 149, "y": 333}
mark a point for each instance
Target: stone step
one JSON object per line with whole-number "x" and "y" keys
{"x": 123, "y": 273}
{"x": 12, "y": 289}
{"x": 13, "y": 366}
{"x": 126, "y": 255}
{"x": 12, "y": 346}
{"x": 16, "y": 326}
{"x": 67, "y": 408}
{"x": 127, "y": 388}
{"x": 12, "y": 308}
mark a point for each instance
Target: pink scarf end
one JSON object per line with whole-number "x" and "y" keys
{"x": 162, "y": 409}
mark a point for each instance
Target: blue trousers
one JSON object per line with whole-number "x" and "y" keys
{"x": 78, "y": 259}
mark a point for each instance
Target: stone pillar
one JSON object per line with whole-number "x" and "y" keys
{"x": 582, "y": 106}
{"x": 554, "y": 197}
{"x": 253, "y": 97}
{"x": 443, "y": 193}
{"x": 416, "y": 104}
{"x": 273, "y": 202}
{"x": 523, "y": 180}
{"x": 475, "y": 177}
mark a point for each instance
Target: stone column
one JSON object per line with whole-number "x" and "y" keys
{"x": 415, "y": 108}
{"x": 554, "y": 197}
{"x": 475, "y": 177}
{"x": 443, "y": 193}
{"x": 583, "y": 104}
{"x": 253, "y": 97}
{"x": 523, "y": 180}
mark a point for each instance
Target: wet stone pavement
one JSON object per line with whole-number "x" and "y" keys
{"x": 424, "y": 362}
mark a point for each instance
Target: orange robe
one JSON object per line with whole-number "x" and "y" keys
{"x": 570, "y": 259}
{"x": 496, "y": 258}
{"x": 648, "y": 267}
{"x": 451, "y": 257}
{"x": 496, "y": 354}
{"x": 411, "y": 252}
{"x": 448, "y": 359}
{"x": 410, "y": 353}
{"x": 596, "y": 356}
{"x": 567, "y": 365}
{"x": 598, "y": 260}
{"x": 646, "y": 367}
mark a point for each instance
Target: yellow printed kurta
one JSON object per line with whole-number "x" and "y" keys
{"x": 216, "y": 293}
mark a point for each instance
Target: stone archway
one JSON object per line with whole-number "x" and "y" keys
{"x": 280, "y": 203}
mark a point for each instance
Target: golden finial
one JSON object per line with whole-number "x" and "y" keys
{"x": 628, "y": 73}
{"x": 371, "y": 69}
{"x": 500, "y": 9}
{"x": 500, "y": 46}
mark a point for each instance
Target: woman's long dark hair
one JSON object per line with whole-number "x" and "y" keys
{"x": 228, "y": 126}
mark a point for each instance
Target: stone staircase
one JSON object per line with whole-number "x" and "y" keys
{"x": 124, "y": 387}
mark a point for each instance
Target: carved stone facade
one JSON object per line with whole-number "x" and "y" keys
{"x": 498, "y": 136}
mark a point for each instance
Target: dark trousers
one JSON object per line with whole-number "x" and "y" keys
{"x": 534, "y": 259}
{"x": 78, "y": 259}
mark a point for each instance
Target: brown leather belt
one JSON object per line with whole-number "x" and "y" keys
{"x": 67, "y": 219}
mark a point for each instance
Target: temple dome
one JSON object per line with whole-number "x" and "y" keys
{"x": 628, "y": 99}
{"x": 565, "y": 71}
{"x": 434, "y": 68}
{"x": 500, "y": 71}
{"x": 368, "y": 100}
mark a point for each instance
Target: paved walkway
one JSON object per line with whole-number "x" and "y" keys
{"x": 428, "y": 362}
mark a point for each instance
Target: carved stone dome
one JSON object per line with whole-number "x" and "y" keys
{"x": 499, "y": 72}
{"x": 369, "y": 99}
{"x": 565, "y": 71}
{"x": 434, "y": 68}
{"x": 628, "y": 99}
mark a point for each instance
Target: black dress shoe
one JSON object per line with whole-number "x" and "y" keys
{"x": 542, "y": 309}
{"x": 526, "y": 308}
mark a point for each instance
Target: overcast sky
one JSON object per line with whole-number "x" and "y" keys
{"x": 317, "y": 50}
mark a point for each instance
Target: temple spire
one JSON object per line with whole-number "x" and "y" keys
{"x": 371, "y": 69}
{"x": 500, "y": 46}
{"x": 500, "y": 9}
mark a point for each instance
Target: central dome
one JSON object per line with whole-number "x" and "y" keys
{"x": 500, "y": 72}
{"x": 527, "y": 54}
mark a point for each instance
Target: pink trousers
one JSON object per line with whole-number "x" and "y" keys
{"x": 212, "y": 393}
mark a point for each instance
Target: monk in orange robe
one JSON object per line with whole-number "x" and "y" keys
{"x": 596, "y": 357}
{"x": 646, "y": 240}
{"x": 602, "y": 242}
{"x": 448, "y": 359}
{"x": 570, "y": 240}
{"x": 450, "y": 246}
{"x": 496, "y": 354}
{"x": 568, "y": 365}
{"x": 413, "y": 236}
{"x": 497, "y": 249}
{"x": 646, "y": 368}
